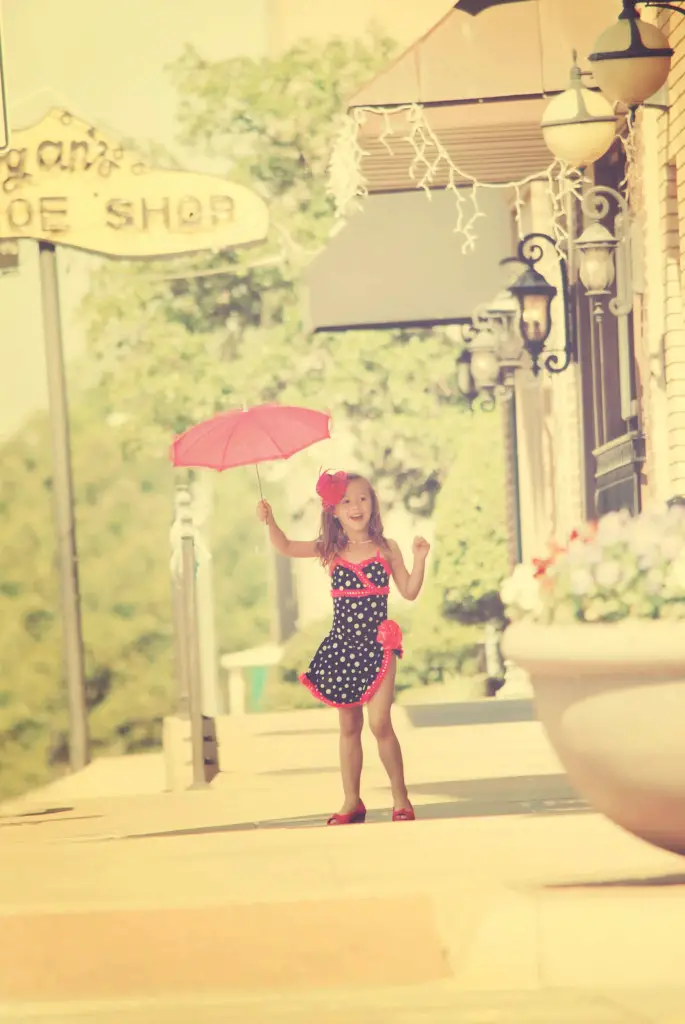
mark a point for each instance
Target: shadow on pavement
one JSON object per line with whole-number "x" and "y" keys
{"x": 478, "y": 798}
{"x": 491, "y": 712}
{"x": 620, "y": 883}
{"x": 34, "y": 818}
{"x": 300, "y": 732}
{"x": 38, "y": 814}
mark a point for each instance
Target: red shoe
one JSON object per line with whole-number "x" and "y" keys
{"x": 357, "y": 817}
{"x": 404, "y": 814}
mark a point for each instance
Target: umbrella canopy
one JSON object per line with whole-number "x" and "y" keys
{"x": 478, "y": 6}
{"x": 246, "y": 437}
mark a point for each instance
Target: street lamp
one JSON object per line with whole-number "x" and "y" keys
{"x": 534, "y": 295}
{"x": 478, "y": 367}
{"x": 631, "y": 59}
{"x": 501, "y": 314}
{"x": 492, "y": 351}
{"x": 603, "y": 256}
{"x": 596, "y": 267}
{"x": 579, "y": 125}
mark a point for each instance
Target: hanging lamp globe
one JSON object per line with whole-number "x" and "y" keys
{"x": 534, "y": 295}
{"x": 485, "y": 365}
{"x": 503, "y": 313}
{"x": 631, "y": 59}
{"x": 597, "y": 268}
{"x": 579, "y": 125}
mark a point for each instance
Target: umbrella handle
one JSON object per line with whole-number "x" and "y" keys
{"x": 259, "y": 481}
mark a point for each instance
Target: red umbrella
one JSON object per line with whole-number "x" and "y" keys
{"x": 475, "y": 7}
{"x": 245, "y": 437}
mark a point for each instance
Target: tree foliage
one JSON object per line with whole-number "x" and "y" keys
{"x": 124, "y": 511}
{"x": 173, "y": 351}
{"x": 170, "y": 343}
{"x": 471, "y": 555}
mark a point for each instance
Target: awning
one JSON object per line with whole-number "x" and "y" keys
{"x": 516, "y": 50}
{"x": 483, "y": 84}
{"x": 400, "y": 263}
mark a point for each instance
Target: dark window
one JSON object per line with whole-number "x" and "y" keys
{"x": 613, "y": 444}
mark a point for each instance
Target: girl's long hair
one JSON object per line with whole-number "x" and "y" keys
{"x": 332, "y": 540}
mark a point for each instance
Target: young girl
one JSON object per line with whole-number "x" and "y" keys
{"x": 355, "y": 665}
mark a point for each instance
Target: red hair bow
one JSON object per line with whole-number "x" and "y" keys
{"x": 331, "y": 488}
{"x": 390, "y": 635}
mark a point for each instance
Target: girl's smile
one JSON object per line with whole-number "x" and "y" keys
{"x": 354, "y": 511}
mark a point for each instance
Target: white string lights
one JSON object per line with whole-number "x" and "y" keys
{"x": 348, "y": 186}
{"x": 631, "y": 185}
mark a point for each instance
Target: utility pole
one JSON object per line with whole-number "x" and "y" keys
{"x": 63, "y": 496}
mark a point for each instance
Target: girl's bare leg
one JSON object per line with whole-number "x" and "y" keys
{"x": 351, "y": 756}
{"x": 389, "y": 749}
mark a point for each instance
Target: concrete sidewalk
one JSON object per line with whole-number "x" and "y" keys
{"x": 506, "y": 901}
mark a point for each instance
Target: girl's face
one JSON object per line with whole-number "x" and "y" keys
{"x": 356, "y": 508}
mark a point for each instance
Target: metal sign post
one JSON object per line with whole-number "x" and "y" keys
{"x": 64, "y": 510}
{"x": 63, "y": 182}
{"x": 4, "y": 123}
{"x": 193, "y": 670}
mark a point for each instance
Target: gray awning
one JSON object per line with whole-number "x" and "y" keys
{"x": 399, "y": 263}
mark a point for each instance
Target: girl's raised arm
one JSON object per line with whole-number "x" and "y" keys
{"x": 289, "y": 548}
{"x": 409, "y": 583}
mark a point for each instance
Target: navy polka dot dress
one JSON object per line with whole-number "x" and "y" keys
{"x": 354, "y": 658}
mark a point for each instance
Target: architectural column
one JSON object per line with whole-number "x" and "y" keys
{"x": 673, "y": 233}
{"x": 511, "y": 476}
{"x": 654, "y": 224}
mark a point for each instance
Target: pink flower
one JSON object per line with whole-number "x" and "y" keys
{"x": 331, "y": 488}
{"x": 390, "y": 635}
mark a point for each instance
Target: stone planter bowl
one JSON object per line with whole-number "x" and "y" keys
{"x": 611, "y": 698}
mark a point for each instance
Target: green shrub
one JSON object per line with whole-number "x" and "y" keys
{"x": 439, "y": 651}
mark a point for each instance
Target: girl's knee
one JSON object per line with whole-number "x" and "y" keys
{"x": 351, "y": 721}
{"x": 381, "y": 726}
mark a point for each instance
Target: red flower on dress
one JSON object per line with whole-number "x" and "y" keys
{"x": 389, "y": 635}
{"x": 331, "y": 488}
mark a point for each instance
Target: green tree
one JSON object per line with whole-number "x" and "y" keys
{"x": 176, "y": 345}
{"x": 124, "y": 512}
{"x": 468, "y": 558}
{"x": 471, "y": 555}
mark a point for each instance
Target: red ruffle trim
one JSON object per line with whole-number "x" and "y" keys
{"x": 382, "y": 673}
{"x": 378, "y": 557}
{"x": 366, "y": 592}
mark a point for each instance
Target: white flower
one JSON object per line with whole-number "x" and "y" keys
{"x": 645, "y": 535}
{"x": 654, "y": 581}
{"x": 630, "y": 568}
{"x": 522, "y": 590}
{"x": 608, "y": 574}
{"x": 612, "y": 527}
{"x": 676, "y": 575}
{"x": 579, "y": 553}
{"x": 581, "y": 582}
{"x": 648, "y": 559}
{"x": 671, "y": 545}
